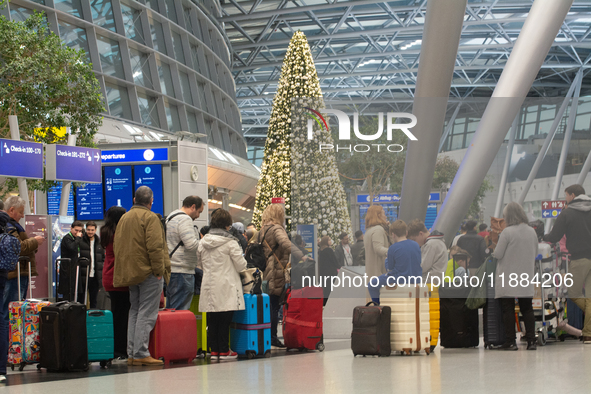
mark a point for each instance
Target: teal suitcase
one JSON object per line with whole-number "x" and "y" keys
{"x": 101, "y": 344}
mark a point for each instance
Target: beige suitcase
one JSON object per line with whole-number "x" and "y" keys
{"x": 409, "y": 327}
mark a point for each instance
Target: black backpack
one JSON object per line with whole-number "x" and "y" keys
{"x": 164, "y": 221}
{"x": 255, "y": 253}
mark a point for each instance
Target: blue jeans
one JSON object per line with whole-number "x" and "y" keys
{"x": 3, "y": 331}
{"x": 374, "y": 291}
{"x": 11, "y": 294}
{"x": 179, "y": 292}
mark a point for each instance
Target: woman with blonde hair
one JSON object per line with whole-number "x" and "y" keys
{"x": 516, "y": 254}
{"x": 277, "y": 248}
{"x": 376, "y": 241}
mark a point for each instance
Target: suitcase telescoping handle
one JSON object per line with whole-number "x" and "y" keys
{"x": 82, "y": 262}
{"x": 27, "y": 259}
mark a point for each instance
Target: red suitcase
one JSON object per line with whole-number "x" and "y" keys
{"x": 174, "y": 337}
{"x": 302, "y": 319}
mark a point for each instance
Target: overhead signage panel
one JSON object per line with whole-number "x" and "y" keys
{"x": 134, "y": 155}
{"x": 21, "y": 159}
{"x": 73, "y": 163}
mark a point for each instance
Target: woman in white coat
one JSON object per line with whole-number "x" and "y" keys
{"x": 221, "y": 259}
{"x": 516, "y": 253}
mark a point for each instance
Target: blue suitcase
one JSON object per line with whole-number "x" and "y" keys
{"x": 250, "y": 331}
{"x": 101, "y": 343}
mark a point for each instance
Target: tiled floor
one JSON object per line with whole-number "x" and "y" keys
{"x": 556, "y": 368}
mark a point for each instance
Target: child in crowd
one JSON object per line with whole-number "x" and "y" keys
{"x": 461, "y": 263}
{"x": 404, "y": 260}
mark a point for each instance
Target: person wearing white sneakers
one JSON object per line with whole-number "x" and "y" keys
{"x": 220, "y": 258}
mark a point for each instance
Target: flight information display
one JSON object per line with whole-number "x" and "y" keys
{"x": 118, "y": 186}
{"x": 53, "y": 200}
{"x": 89, "y": 202}
{"x": 151, "y": 176}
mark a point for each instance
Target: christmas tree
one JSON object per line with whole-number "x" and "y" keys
{"x": 293, "y": 167}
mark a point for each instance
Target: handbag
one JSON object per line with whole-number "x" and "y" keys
{"x": 477, "y": 297}
{"x": 252, "y": 279}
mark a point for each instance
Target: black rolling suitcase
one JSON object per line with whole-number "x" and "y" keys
{"x": 494, "y": 332}
{"x": 458, "y": 323}
{"x": 63, "y": 335}
{"x": 371, "y": 330}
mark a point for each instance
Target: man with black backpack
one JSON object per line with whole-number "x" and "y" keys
{"x": 182, "y": 238}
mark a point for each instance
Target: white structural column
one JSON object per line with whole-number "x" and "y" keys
{"x": 23, "y": 190}
{"x": 66, "y": 186}
{"x": 549, "y": 139}
{"x": 439, "y": 47}
{"x": 503, "y": 185}
{"x": 449, "y": 127}
{"x": 528, "y": 54}
{"x": 585, "y": 170}
{"x": 570, "y": 125}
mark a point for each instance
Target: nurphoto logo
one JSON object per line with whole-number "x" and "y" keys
{"x": 345, "y": 129}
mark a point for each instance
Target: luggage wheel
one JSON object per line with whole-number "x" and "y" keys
{"x": 250, "y": 355}
{"x": 21, "y": 367}
{"x": 320, "y": 346}
{"x": 12, "y": 367}
{"x": 39, "y": 366}
{"x": 428, "y": 351}
{"x": 267, "y": 354}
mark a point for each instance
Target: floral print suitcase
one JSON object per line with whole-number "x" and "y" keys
{"x": 24, "y": 332}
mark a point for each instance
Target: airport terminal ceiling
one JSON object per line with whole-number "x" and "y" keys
{"x": 367, "y": 52}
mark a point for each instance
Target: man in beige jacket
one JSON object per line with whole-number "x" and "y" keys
{"x": 142, "y": 263}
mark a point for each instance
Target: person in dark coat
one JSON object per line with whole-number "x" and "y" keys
{"x": 70, "y": 250}
{"x": 474, "y": 244}
{"x": 328, "y": 266}
{"x": 90, "y": 247}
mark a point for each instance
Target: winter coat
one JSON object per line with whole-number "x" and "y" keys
{"x": 358, "y": 252}
{"x": 575, "y": 223}
{"x": 99, "y": 258}
{"x": 341, "y": 253}
{"x": 28, "y": 248}
{"x": 70, "y": 249}
{"x": 108, "y": 269}
{"x": 475, "y": 245}
{"x": 220, "y": 258}
{"x": 516, "y": 253}
{"x": 140, "y": 248}
{"x": 275, "y": 235}
{"x": 376, "y": 249}
{"x": 434, "y": 256}
{"x": 180, "y": 228}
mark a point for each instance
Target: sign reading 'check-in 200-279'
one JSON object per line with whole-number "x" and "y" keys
{"x": 21, "y": 159}
{"x": 73, "y": 163}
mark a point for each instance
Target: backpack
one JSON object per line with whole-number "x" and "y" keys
{"x": 165, "y": 221}
{"x": 255, "y": 253}
{"x": 10, "y": 249}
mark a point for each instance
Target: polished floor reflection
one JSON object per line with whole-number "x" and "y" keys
{"x": 556, "y": 368}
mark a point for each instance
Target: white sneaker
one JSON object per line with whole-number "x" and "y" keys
{"x": 2, "y": 378}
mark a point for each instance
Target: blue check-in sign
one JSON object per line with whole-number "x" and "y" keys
{"x": 21, "y": 159}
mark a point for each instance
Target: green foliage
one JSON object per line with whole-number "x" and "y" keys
{"x": 46, "y": 84}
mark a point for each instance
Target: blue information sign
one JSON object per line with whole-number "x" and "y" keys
{"x": 118, "y": 187}
{"x": 134, "y": 155}
{"x": 151, "y": 176}
{"x": 73, "y": 163}
{"x": 21, "y": 159}
{"x": 89, "y": 202}
{"x": 54, "y": 196}
{"x": 550, "y": 213}
{"x": 393, "y": 197}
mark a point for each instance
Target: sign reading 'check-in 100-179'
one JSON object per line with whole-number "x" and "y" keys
{"x": 21, "y": 159}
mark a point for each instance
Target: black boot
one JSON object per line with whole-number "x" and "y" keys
{"x": 532, "y": 345}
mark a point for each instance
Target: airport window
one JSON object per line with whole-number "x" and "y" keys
{"x": 110, "y": 57}
{"x": 102, "y": 14}
{"x": 186, "y": 87}
{"x": 140, "y": 67}
{"x": 255, "y": 155}
{"x": 148, "y": 109}
{"x": 165, "y": 79}
{"x": 177, "y": 43}
{"x": 157, "y": 36}
{"x": 171, "y": 10}
{"x": 72, "y": 7}
{"x": 132, "y": 23}
{"x": 153, "y": 4}
{"x": 583, "y": 122}
{"x": 201, "y": 90}
{"x": 192, "y": 120}
{"x": 19, "y": 14}
{"x": 74, "y": 37}
{"x": 172, "y": 117}
{"x": 187, "y": 16}
{"x": 195, "y": 54}
{"x": 118, "y": 100}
